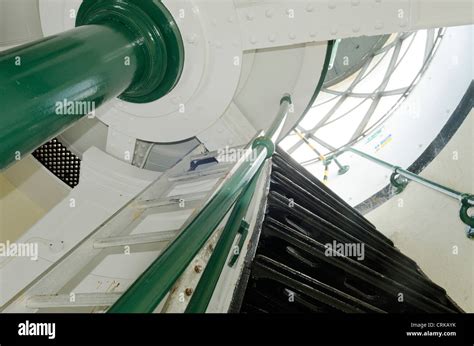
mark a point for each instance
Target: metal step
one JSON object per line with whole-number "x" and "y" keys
{"x": 299, "y": 265}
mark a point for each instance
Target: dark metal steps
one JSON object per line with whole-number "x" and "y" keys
{"x": 295, "y": 270}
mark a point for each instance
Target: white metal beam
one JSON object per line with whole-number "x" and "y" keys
{"x": 276, "y": 23}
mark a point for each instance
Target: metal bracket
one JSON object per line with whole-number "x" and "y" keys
{"x": 464, "y": 215}
{"x": 399, "y": 182}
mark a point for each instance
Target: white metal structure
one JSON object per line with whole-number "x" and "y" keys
{"x": 241, "y": 56}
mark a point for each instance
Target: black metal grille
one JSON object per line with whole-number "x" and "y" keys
{"x": 59, "y": 161}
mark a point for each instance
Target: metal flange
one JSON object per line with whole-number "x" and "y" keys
{"x": 464, "y": 212}
{"x": 151, "y": 27}
{"x": 399, "y": 182}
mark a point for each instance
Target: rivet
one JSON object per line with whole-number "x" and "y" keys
{"x": 355, "y": 2}
{"x": 250, "y": 16}
{"x": 188, "y": 291}
{"x": 309, "y": 8}
{"x": 198, "y": 268}
{"x": 272, "y": 37}
{"x": 292, "y": 36}
{"x": 269, "y": 13}
{"x": 253, "y": 40}
{"x": 192, "y": 38}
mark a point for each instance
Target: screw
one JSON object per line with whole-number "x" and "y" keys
{"x": 188, "y": 291}
{"x": 198, "y": 268}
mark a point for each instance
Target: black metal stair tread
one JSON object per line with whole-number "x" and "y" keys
{"x": 356, "y": 269}
{"x": 302, "y": 215}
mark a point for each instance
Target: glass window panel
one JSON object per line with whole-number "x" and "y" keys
{"x": 410, "y": 66}
{"x": 384, "y": 106}
{"x": 287, "y": 142}
{"x": 321, "y": 149}
{"x": 323, "y": 98}
{"x": 350, "y": 107}
{"x": 340, "y": 132}
{"x": 373, "y": 80}
{"x": 304, "y": 153}
{"x": 315, "y": 114}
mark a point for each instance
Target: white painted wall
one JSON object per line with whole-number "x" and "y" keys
{"x": 19, "y": 22}
{"x": 27, "y": 192}
{"x": 424, "y": 224}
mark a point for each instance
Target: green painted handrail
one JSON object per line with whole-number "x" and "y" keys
{"x": 466, "y": 200}
{"x": 207, "y": 283}
{"x": 151, "y": 287}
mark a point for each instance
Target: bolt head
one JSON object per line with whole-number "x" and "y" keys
{"x": 198, "y": 268}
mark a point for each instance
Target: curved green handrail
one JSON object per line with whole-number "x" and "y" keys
{"x": 151, "y": 287}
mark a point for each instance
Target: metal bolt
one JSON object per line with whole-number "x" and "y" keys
{"x": 188, "y": 291}
{"x": 198, "y": 268}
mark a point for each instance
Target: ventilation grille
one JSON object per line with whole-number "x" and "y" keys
{"x": 59, "y": 161}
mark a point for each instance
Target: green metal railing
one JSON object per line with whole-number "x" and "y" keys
{"x": 151, "y": 287}
{"x": 400, "y": 178}
{"x": 205, "y": 288}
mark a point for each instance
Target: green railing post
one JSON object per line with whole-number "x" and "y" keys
{"x": 150, "y": 288}
{"x": 121, "y": 48}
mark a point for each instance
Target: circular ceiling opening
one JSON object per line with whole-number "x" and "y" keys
{"x": 368, "y": 79}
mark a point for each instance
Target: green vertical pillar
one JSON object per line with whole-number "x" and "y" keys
{"x": 120, "y": 48}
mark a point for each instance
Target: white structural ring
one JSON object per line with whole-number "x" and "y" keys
{"x": 211, "y": 73}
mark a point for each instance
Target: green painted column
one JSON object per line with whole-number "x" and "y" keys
{"x": 120, "y": 48}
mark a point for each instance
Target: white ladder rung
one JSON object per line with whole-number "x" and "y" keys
{"x": 173, "y": 200}
{"x": 135, "y": 239}
{"x": 221, "y": 170}
{"x": 72, "y": 300}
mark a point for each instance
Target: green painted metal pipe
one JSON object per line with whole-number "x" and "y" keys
{"x": 466, "y": 200}
{"x": 414, "y": 177}
{"x": 50, "y": 84}
{"x": 205, "y": 288}
{"x": 117, "y": 50}
{"x": 150, "y": 288}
